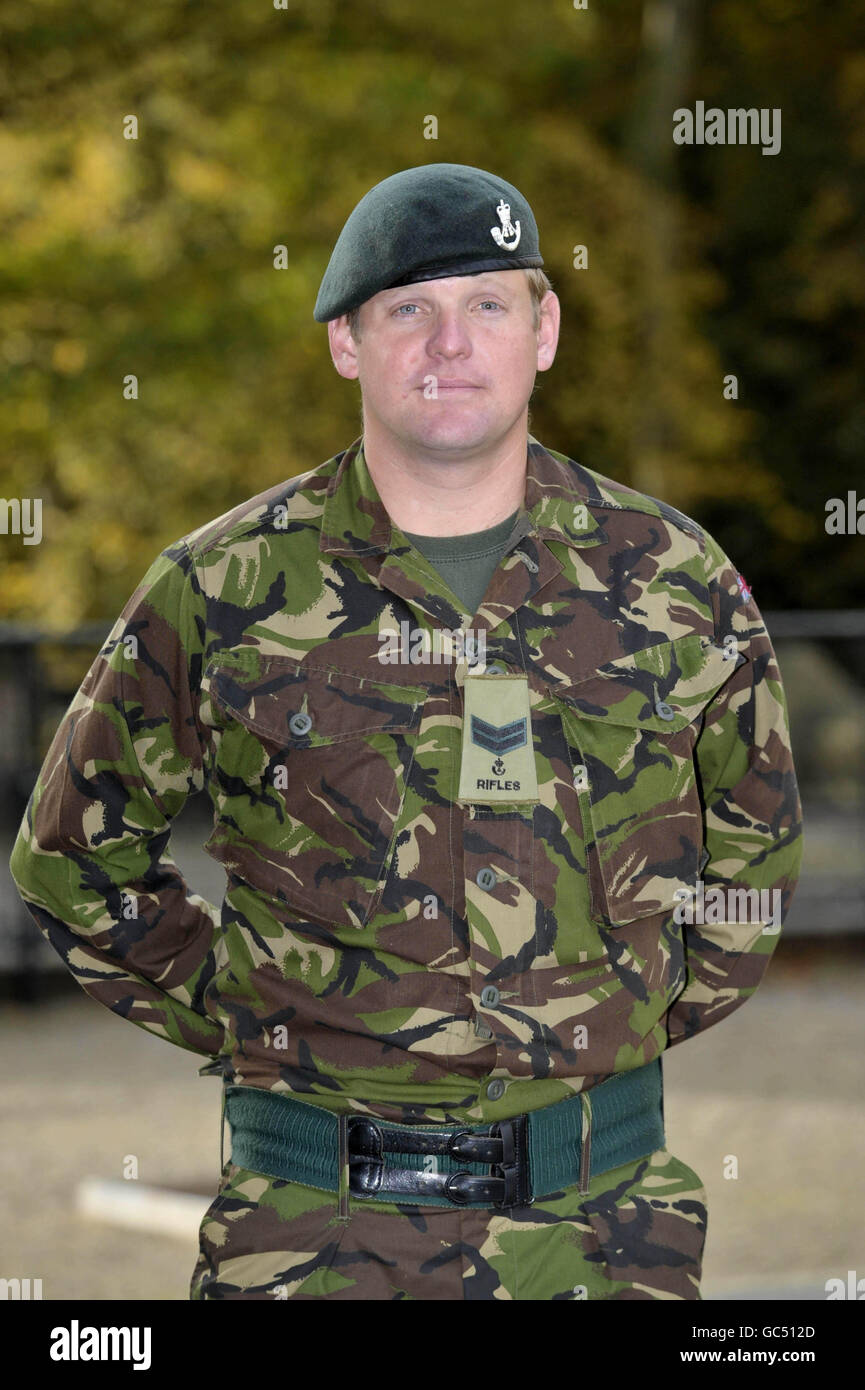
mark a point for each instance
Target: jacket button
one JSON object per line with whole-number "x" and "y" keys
{"x": 300, "y": 723}
{"x": 495, "y": 1089}
{"x": 664, "y": 711}
{"x": 496, "y": 670}
{"x": 490, "y": 996}
{"x": 485, "y": 879}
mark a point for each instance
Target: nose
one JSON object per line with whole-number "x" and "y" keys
{"x": 449, "y": 335}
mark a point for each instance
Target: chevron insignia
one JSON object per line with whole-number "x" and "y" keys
{"x": 498, "y": 738}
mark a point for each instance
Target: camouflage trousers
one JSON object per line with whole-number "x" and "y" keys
{"x": 638, "y": 1233}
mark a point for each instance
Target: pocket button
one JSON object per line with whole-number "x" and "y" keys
{"x": 300, "y": 723}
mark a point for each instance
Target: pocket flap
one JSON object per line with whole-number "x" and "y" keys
{"x": 266, "y": 693}
{"x": 679, "y": 677}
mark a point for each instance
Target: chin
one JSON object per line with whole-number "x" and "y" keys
{"x": 451, "y": 434}
{"x": 453, "y": 439}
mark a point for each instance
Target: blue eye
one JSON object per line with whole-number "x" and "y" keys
{"x": 406, "y": 306}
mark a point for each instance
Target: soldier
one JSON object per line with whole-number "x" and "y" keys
{"x": 499, "y": 760}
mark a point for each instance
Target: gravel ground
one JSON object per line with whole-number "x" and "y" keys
{"x": 778, "y": 1085}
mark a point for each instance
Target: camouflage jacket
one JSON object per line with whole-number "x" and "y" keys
{"x": 386, "y": 944}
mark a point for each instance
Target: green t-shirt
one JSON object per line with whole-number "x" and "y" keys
{"x": 467, "y": 563}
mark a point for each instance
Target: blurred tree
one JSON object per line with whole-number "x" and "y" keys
{"x": 786, "y": 234}
{"x": 258, "y": 127}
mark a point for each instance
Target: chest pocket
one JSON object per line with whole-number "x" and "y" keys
{"x": 631, "y": 730}
{"x": 311, "y": 776}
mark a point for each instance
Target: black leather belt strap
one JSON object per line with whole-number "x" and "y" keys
{"x": 504, "y": 1146}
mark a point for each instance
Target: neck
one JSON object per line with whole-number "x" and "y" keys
{"x": 448, "y": 492}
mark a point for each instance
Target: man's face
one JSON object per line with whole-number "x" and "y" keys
{"x": 447, "y": 366}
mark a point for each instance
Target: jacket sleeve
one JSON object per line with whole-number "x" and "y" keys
{"x": 90, "y": 860}
{"x": 752, "y": 815}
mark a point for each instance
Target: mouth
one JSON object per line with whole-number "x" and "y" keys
{"x": 454, "y": 386}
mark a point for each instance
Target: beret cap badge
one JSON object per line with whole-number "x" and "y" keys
{"x": 507, "y": 229}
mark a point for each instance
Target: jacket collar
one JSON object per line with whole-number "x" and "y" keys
{"x": 355, "y": 522}
{"x": 557, "y": 507}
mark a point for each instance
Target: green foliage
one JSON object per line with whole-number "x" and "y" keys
{"x": 260, "y": 127}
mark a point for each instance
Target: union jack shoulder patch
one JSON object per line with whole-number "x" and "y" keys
{"x": 744, "y": 590}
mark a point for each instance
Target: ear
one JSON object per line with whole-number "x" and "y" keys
{"x": 550, "y": 315}
{"x": 343, "y": 348}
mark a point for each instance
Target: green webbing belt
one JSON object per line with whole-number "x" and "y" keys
{"x": 569, "y": 1143}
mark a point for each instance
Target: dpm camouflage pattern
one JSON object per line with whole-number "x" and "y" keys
{"x": 638, "y": 1233}
{"x": 347, "y": 960}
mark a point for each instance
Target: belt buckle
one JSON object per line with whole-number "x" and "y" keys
{"x": 512, "y": 1170}
{"x": 366, "y": 1147}
{"x": 514, "y": 1167}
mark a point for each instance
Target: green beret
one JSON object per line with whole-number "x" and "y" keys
{"x": 424, "y": 224}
